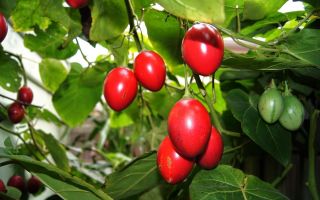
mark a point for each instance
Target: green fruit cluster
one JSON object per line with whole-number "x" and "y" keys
{"x": 286, "y": 108}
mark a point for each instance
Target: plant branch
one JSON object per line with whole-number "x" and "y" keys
{"x": 312, "y": 182}
{"x": 282, "y": 176}
{"x": 82, "y": 54}
{"x": 16, "y": 100}
{"x": 214, "y": 115}
{"x": 133, "y": 30}
{"x": 237, "y": 147}
{"x": 8, "y": 162}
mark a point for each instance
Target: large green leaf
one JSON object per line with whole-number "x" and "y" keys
{"x": 138, "y": 176}
{"x": 225, "y": 182}
{"x": 57, "y": 151}
{"x": 78, "y": 94}
{"x": 66, "y": 186}
{"x": 51, "y": 43}
{"x": 272, "y": 138}
{"x": 305, "y": 45}
{"x": 206, "y": 11}
{"x": 165, "y": 34}
{"x": 52, "y": 73}
{"x": 10, "y": 73}
{"x": 258, "y": 9}
{"x": 109, "y": 19}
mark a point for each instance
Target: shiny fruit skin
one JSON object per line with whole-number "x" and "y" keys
{"x": 17, "y": 182}
{"x": 120, "y": 88}
{"x": 150, "y": 70}
{"x": 173, "y": 167}
{"x": 3, "y": 27}
{"x": 16, "y": 112}
{"x": 2, "y": 187}
{"x": 25, "y": 95}
{"x": 212, "y": 155}
{"x": 34, "y": 185}
{"x": 271, "y": 105}
{"x": 189, "y": 127}
{"x": 77, "y": 3}
{"x": 202, "y": 49}
{"x": 293, "y": 113}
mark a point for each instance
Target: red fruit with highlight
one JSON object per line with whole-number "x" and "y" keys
{"x": 150, "y": 70}
{"x": 211, "y": 157}
{"x": 17, "y": 182}
{"x": 202, "y": 49}
{"x": 25, "y": 95}
{"x": 77, "y": 3}
{"x": 172, "y": 166}
{"x": 16, "y": 112}
{"x": 189, "y": 127}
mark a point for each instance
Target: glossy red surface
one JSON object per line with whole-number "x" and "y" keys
{"x": 2, "y": 186}
{"x": 189, "y": 127}
{"x": 211, "y": 157}
{"x": 77, "y": 3}
{"x": 3, "y": 27}
{"x": 172, "y": 167}
{"x": 202, "y": 49}
{"x": 25, "y": 94}
{"x": 16, "y": 112}
{"x": 17, "y": 182}
{"x": 150, "y": 70}
{"x": 120, "y": 88}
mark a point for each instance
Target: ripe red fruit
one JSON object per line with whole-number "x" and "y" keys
{"x": 3, "y": 27}
{"x": 211, "y": 157}
{"x": 202, "y": 49}
{"x": 189, "y": 127}
{"x": 77, "y": 3}
{"x": 25, "y": 95}
{"x": 16, "y": 112}
{"x": 172, "y": 167}
{"x": 2, "y": 187}
{"x": 150, "y": 70}
{"x": 17, "y": 182}
{"x": 34, "y": 185}
{"x": 120, "y": 88}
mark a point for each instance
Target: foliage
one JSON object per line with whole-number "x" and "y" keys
{"x": 279, "y": 46}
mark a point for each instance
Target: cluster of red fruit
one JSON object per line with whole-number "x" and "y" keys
{"x": 33, "y": 186}
{"x": 16, "y": 109}
{"x": 192, "y": 138}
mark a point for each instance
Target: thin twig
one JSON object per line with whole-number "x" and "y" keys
{"x": 282, "y": 176}
{"x": 83, "y": 55}
{"x": 16, "y": 100}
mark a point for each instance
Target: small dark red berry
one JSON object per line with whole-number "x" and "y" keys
{"x": 34, "y": 185}
{"x": 2, "y": 187}
{"x": 16, "y": 112}
{"x": 25, "y": 95}
{"x": 17, "y": 182}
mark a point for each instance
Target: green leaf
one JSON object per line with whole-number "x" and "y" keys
{"x": 10, "y": 76}
{"x": 66, "y": 186}
{"x": 305, "y": 45}
{"x": 78, "y": 94}
{"x": 138, "y": 5}
{"x": 120, "y": 119}
{"x": 11, "y": 194}
{"x": 231, "y": 10}
{"x": 43, "y": 114}
{"x": 27, "y": 14}
{"x": 138, "y": 176}
{"x": 51, "y": 43}
{"x": 109, "y": 19}
{"x": 255, "y": 61}
{"x": 272, "y": 138}
{"x": 226, "y": 182}
{"x": 52, "y": 73}
{"x": 7, "y": 6}
{"x": 258, "y": 9}
{"x": 165, "y": 34}
{"x": 206, "y": 11}
{"x": 57, "y": 151}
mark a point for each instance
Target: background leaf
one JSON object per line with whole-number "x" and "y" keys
{"x": 10, "y": 76}
{"x": 225, "y": 182}
{"x": 192, "y": 10}
{"x": 52, "y": 73}
{"x": 258, "y": 9}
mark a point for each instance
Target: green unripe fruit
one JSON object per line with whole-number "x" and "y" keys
{"x": 293, "y": 114}
{"x": 271, "y": 105}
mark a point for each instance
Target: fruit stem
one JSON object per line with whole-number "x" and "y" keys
{"x": 82, "y": 54}
{"x": 186, "y": 85}
{"x": 287, "y": 91}
{"x": 312, "y": 183}
{"x": 133, "y": 30}
{"x": 272, "y": 84}
{"x": 214, "y": 115}
{"x": 213, "y": 90}
{"x": 16, "y": 100}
